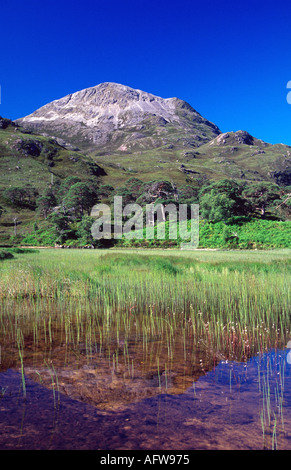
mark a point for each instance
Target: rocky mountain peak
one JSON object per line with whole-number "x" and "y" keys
{"x": 112, "y": 114}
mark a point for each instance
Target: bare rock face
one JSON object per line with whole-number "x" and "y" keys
{"x": 234, "y": 138}
{"x": 120, "y": 118}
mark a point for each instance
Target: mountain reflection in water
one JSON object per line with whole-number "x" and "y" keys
{"x": 234, "y": 406}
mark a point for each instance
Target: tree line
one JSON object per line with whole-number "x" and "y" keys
{"x": 65, "y": 206}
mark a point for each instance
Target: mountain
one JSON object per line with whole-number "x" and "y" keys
{"x": 114, "y": 136}
{"x": 130, "y": 132}
{"x": 111, "y": 117}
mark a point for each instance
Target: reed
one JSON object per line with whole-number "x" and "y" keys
{"x": 158, "y": 305}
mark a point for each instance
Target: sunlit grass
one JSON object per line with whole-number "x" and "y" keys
{"x": 233, "y": 303}
{"x": 133, "y": 314}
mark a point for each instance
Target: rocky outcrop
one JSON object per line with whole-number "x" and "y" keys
{"x": 28, "y": 147}
{"x": 234, "y": 138}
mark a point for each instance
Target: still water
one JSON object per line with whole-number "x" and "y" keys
{"x": 232, "y": 405}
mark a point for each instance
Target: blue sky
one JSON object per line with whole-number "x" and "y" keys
{"x": 231, "y": 60}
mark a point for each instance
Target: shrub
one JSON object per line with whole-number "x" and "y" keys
{"x": 4, "y": 254}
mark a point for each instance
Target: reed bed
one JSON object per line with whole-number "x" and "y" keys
{"x": 152, "y": 311}
{"x": 233, "y": 306}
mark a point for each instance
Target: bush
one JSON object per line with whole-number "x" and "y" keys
{"x": 41, "y": 238}
{"x": 250, "y": 234}
{"x": 22, "y": 251}
{"x": 256, "y": 233}
{"x": 4, "y": 254}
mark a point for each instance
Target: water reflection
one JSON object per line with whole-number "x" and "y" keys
{"x": 233, "y": 406}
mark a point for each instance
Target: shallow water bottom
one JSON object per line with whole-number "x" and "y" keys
{"x": 236, "y": 406}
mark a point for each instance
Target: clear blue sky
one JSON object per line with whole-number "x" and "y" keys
{"x": 231, "y": 60}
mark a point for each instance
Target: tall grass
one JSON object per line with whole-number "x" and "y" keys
{"x": 229, "y": 304}
{"x": 133, "y": 314}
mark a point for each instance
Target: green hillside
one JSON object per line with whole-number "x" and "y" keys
{"x": 235, "y": 155}
{"x": 47, "y": 190}
{"x": 34, "y": 163}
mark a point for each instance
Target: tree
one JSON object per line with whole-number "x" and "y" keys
{"x": 126, "y": 194}
{"x": 262, "y": 195}
{"x": 157, "y": 190}
{"x": 226, "y": 186}
{"x": 283, "y": 206}
{"x": 131, "y": 191}
{"x": 15, "y": 222}
{"x": 83, "y": 232}
{"x": 188, "y": 194}
{"x": 60, "y": 220}
{"x": 66, "y": 185}
{"x": 61, "y": 224}
{"x": 223, "y": 199}
{"x": 19, "y": 196}
{"x": 216, "y": 207}
{"x": 46, "y": 203}
{"x": 80, "y": 199}
{"x": 105, "y": 190}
